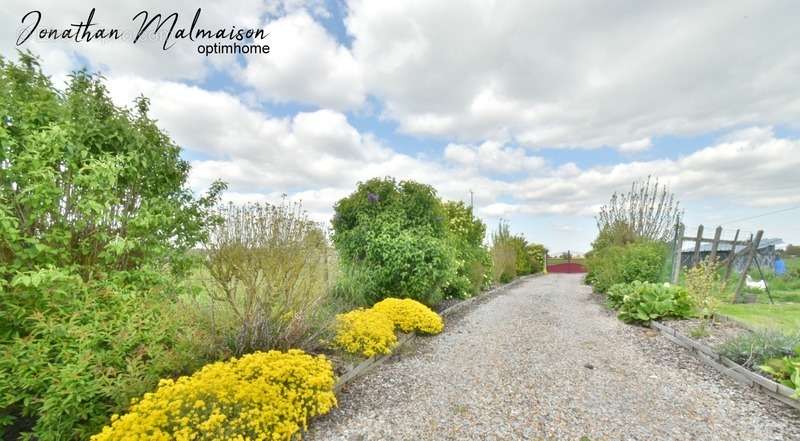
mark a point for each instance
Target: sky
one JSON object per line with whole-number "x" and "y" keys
{"x": 538, "y": 110}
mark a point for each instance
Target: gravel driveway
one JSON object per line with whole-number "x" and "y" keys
{"x": 545, "y": 360}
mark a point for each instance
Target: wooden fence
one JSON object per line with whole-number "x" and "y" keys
{"x": 750, "y": 248}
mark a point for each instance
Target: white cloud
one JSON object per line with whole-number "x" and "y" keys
{"x": 492, "y": 156}
{"x": 307, "y": 65}
{"x": 639, "y": 145}
{"x": 571, "y": 74}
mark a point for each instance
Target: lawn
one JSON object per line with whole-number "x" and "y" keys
{"x": 784, "y": 314}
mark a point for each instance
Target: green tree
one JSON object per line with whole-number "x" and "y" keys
{"x": 394, "y": 236}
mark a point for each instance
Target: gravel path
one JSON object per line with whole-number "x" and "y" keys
{"x": 545, "y": 360}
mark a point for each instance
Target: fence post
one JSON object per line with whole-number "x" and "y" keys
{"x": 731, "y": 258}
{"x": 750, "y": 255}
{"x": 715, "y": 244}
{"x": 678, "y": 252}
{"x": 698, "y": 241}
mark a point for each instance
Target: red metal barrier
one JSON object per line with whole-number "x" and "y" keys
{"x": 566, "y": 268}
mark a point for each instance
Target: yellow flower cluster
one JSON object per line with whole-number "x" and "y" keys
{"x": 366, "y": 332}
{"x": 260, "y": 396}
{"x": 371, "y": 331}
{"x": 410, "y": 315}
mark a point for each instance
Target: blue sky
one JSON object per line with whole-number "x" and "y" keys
{"x": 542, "y": 109}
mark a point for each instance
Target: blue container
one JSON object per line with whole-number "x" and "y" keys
{"x": 780, "y": 267}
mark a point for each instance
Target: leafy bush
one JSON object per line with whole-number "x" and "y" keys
{"x": 72, "y": 190}
{"x": 624, "y": 264}
{"x": 269, "y": 275}
{"x": 89, "y": 348}
{"x": 465, "y": 234}
{"x": 366, "y": 332}
{"x": 755, "y": 348}
{"x": 652, "y": 301}
{"x": 397, "y": 233}
{"x": 410, "y": 316}
{"x": 509, "y": 255}
{"x": 703, "y": 284}
{"x": 785, "y": 370}
{"x": 88, "y": 248}
{"x": 263, "y": 395}
{"x": 616, "y": 294}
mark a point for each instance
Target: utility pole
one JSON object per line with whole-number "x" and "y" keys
{"x": 470, "y": 199}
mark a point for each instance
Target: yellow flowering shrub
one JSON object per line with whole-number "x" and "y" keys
{"x": 410, "y": 315}
{"x": 260, "y": 396}
{"x": 366, "y": 332}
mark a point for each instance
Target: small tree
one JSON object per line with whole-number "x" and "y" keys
{"x": 648, "y": 211}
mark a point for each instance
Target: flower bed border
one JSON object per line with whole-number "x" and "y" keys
{"x": 370, "y": 363}
{"x": 728, "y": 367}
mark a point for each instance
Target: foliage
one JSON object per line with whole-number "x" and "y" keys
{"x": 71, "y": 188}
{"x": 263, "y": 395}
{"x": 473, "y": 262}
{"x": 268, "y": 271}
{"x": 755, "y": 348}
{"x": 617, "y": 233}
{"x": 652, "y": 301}
{"x": 649, "y": 210}
{"x": 536, "y": 253}
{"x": 512, "y": 255}
{"x": 89, "y": 349}
{"x": 703, "y": 283}
{"x": 397, "y": 233}
{"x": 410, "y": 316}
{"x": 617, "y": 293}
{"x": 624, "y": 264}
{"x": 89, "y": 247}
{"x": 786, "y": 370}
{"x": 365, "y": 331}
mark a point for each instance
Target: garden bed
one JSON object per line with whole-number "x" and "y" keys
{"x": 737, "y": 372}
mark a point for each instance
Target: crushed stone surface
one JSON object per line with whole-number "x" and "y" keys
{"x": 544, "y": 360}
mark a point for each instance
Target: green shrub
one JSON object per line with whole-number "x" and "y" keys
{"x": 624, "y": 264}
{"x": 616, "y": 294}
{"x": 397, "y": 234}
{"x": 89, "y": 245}
{"x": 88, "y": 349}
{"x": 785, "y": 370}
{"x": 465, "y": 234}
{"x": 755, "y": 348}
{"x": 652, "y": 301}
{"x": 703, "y": 283}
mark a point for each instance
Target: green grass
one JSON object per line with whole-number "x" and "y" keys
{"x": 781, "y": 316}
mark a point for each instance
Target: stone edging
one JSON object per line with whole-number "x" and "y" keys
{"x": 368, "y": 364}
{"x": 728, "y": 367}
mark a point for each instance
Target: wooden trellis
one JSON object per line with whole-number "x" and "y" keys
{"x": 750, "y": 249}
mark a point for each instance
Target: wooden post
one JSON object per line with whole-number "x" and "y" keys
{"x": 715, "y": 244}
{"x": 731, "y": 258}
{"x": 678, "y": 252}
{"x": 750, "y": 255}
{"x": 696, "y": 256}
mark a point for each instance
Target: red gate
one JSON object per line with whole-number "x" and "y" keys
{"x": 568, "y": 267}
